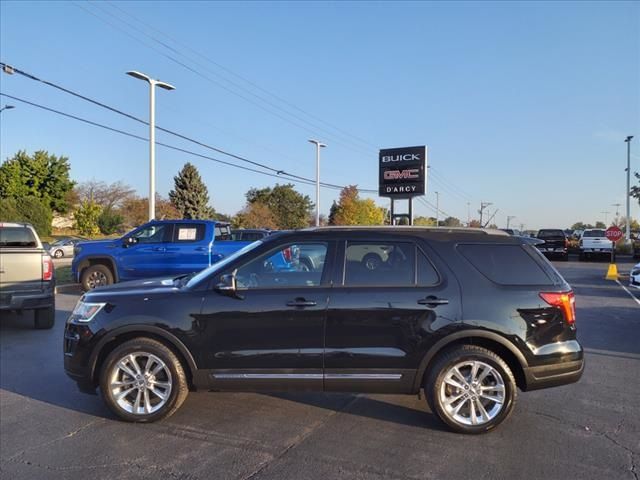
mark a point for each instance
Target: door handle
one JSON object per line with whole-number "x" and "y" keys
{"x": 432, "y": 301}
{"x": 301, "y": 302}
{"x": 201, "y": 249}
{"x": 159, "y": 249}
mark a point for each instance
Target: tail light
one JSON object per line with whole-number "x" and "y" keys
{"x": 566, "y": 243}
{"x": 580, "y": 242}
{"x": 47, "y": 268}
{"x": 287, "y": 254}
{"x": 565, "y": 301}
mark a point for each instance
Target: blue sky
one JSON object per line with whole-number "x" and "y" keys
{"x": 525, "y": 105}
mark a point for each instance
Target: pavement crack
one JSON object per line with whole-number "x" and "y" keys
{"x": 299, "y": 439}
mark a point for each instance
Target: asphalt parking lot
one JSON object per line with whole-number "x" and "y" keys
{"x": 589, "y": 430}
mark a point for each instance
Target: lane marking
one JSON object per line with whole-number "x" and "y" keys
{"x": 627, "y": 290}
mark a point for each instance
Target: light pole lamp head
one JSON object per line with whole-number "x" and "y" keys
{"x": 142, "y": 76}
{"x": 139, "y": 76}
{"x": 317, "y": 142}
{"x": 628, "y": 139}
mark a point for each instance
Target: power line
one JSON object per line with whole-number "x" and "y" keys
{"x": 171, "y": 132}
{"x": 171, "y": 147}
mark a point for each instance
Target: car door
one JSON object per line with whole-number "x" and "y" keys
{"x": 189, "y": 249}
{"x": 270, "y": 334}
{"x": 381, "y": 315}
{"x": 145, "y": 257}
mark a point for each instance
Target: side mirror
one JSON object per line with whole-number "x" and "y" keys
{"x": 129, "y": 241}
{"x": 229, "y": 286}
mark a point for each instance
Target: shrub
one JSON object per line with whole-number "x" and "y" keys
{"x": 87, "y": 218}
{"x": 110, "y": 222}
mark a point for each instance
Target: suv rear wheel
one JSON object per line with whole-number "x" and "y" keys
{"x": 471, "y": 389}
{"x": 143, "y": 381}
{"x": 44, "y": 318}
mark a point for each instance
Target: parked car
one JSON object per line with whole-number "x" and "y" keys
{"x": 27, "y": 276}
{"x": 167, "y": 247}
{"x": 63, "y": 247}
{"x": 634, "y": 276}
{"x": 470, "y": 316}
{"x": 594, "y": 242}
{"x": 555, "y": 243}
{"x": 249, "y": 234}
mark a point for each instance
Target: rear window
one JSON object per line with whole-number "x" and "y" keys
{"x": 550, "y": 233}
{"x": 17, "y": 237}
{"x": 594, "y": 233}
{"x": 505, "y": 264}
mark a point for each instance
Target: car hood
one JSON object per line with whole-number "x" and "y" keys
{"x": 98, "y": 244}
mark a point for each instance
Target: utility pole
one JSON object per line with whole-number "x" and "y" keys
{"x": 318, "y": 147}
{"x": 628, "y": 192}
{"x": 437, "y": 209}
{"x": 483, "y": 205}
{"x": 509, "y": 218}
{"x": 521, "y": 227}
{"x": 152, "y": 134}
{"x": 605, "y": 218}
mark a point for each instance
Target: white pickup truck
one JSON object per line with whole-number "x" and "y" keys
{"x": 594, "y": 242}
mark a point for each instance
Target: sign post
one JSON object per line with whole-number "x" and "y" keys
{"x": 402, "y": 175}
{"x": 614, "y": 234}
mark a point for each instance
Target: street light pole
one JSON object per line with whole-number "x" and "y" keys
{"x": 6, "y": 107}
{"x": 509, "y": 218}
{"x": 318, "y": 145}
{"x": 628, "y": 192}
{"x": 152, "y": 134}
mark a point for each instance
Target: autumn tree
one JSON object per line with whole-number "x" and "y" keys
{"x": 352, "y": 210}
{"x": 86, "y": 217}
{"x": 475, "y": 224}
{"x": 135, "y": 211}
{"x": 190, "y": 195}
{"x": 41, "y": 175}
{"x": 451, "y": 222}
{"x": 424, "y": 221}
{"x": 255, "y": 215}
{"x": 110, "y": 196}
{"x": 290, "y": 209}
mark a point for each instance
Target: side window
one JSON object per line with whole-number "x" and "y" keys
{"x": 291, "y": 265}
{"x": 252, "y": 236}
{"x": 505, "y": 264}
{"x": 188, "y": 232}
{"x": 384, "y": 264}
{"x": 427, "y": 274}
{"x": 222, "y": 232}
{"x": 154, "y": 233}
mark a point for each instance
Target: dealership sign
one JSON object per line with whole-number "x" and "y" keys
{"x": 402, "y": 172}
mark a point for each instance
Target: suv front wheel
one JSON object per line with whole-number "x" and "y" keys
{"x": 143, "y": 381}
{"x": 471, "y": 389}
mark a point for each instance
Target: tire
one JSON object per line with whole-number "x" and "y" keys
{"x": 44, "y": 318}
{"x": 372, "y": 261}
{"x": 58, "y": 254}
{"x": 96, "y": 276}
{"x": 171, "y": 376}
{"x": 499, "y": 376}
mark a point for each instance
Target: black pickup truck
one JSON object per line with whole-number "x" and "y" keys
{"x": 555, "y": 243}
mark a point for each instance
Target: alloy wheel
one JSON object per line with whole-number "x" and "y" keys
{"x": 472, "y": 393}
{"x": 140, "y": 383}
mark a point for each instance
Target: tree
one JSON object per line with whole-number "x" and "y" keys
{"x": 190, "y": 195}
{"x": 255, "y": 215}
{"x": 87, "y": 216}
{"x": 109, "y": 196}
{"x": 475, "y": 224}
{"x": 352, "y": 210}
{"x": 135, "y": 211}
{"x": 110, "y": 222}
{"x": 599, "y": 225}
{"x": 452, "y": 222}
{"x": 290, "y": 208}
{"x": 424, "y": 221}
{"x": 43, "y": 176}
{"x": 635, "y": 190}
{"x": 27, "y": 209}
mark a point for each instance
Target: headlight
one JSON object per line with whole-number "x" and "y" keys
{"x": 84, "y": 312}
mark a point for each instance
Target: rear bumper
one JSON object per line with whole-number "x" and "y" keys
{"x": 554, "y": 374}
{"x": 28, "y": 300}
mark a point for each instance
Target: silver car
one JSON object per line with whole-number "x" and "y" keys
{"x": 63, "y": 247}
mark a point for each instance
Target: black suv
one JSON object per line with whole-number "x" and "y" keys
{"x": 555, "y": 243}
{"x": 468, "y": 315}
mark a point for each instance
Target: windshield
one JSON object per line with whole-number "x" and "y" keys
{"x": 221, "y": 264}
{"x": 550, "y": 233}
{"x": 594, "y": 233}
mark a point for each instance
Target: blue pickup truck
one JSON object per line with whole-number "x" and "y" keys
{"x": 157, "y": 248}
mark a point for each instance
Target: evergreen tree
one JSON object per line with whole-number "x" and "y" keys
{"x": 190, "y": 195}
